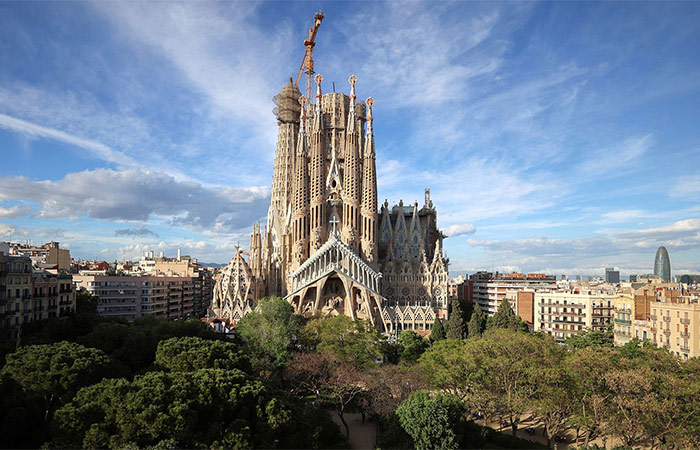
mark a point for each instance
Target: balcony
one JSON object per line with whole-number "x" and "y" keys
{"x": 685, "y": 335}
{"x": 667, "y": 332}
{"x": 667, "y": 318}
{"x": 628, "y": 322}
{"x": 685, "y": 349}
{"x": 685, "y": 321}
{"x": 653, "y": 317}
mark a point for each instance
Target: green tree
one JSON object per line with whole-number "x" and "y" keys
{"x": 270, "y": 333}
{"x": 455, "y": 324}
{"x": 22, "y": 413}
{"x": 497, "y": 374}
{"x": 187, "y": 354}
{"x": 649, "y": 400}
{"x": 551, "y": 402}
{"x": 436, "y": 422}
{"x": 413, "y": 345}
{"x": 338, "y": 382}
{"x": 477, "y": 323}
{"x": 632, "y": 349}
{"x": 56, "y": 371}
{"x": 446, "y": 366}
{"x": 205, "y": 408}
{"x": 86, "y": 302}
{"x": 586, "y": 369}
{"x": 590, "y": 338}
{"x": 505, "y": 317}
{"x": 352, "y": 341}
{"x": 438, "y": 331}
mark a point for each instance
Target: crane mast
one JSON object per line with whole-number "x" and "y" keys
{"x": 307, "y": 63}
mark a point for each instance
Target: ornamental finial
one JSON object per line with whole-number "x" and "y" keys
{"x": 319, "y": 80}
{"x": 302, "y": 112}
{"x": 369, "y": 102}
{"x": 352, "y": 80}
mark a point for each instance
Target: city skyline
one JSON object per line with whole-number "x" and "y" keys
{"x": 553, "y": 137}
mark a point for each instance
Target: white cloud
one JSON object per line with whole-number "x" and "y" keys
{"x": 620, "y": 156}
{"x": 14, "y": 211}
{"x": 622, "y": 249}
{"x": 459, "y": 230}
{"x": 217, "y": 47}
{"x": 9, "y": 231}
{"x": 686, "y": 187}
{"x": 625, "y": 215}
{"x": 37, "y": 131}
{"x": 134, "y": 194}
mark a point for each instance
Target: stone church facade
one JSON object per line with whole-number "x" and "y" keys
{"x": 327, "y": 248}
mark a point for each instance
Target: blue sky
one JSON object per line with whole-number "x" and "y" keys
{"x": 557, "y": 137}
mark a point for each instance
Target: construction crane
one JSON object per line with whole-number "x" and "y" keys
{"x": 307, "y": 64}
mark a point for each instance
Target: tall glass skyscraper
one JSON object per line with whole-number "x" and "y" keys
{"x": 662, "y": 264}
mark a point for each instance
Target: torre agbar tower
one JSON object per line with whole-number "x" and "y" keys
{"x": 327, "y": 248}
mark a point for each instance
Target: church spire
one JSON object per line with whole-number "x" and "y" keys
{"x": 369, "y": 193}
{"x": 318, "y": 116}
{"x": 317, "y": 185}
{"x": 352, "y": 190}
{"x": 300, "y": 227}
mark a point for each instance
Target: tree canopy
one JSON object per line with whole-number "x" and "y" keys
{"x": 477, "y": 323}
{"x": 188, "y": 354}
{"x": 352, "y": 341}
{"x": 505, "y": 317}
{"x": 270, "y": 333}
{"x": 455, "y": 324}
{"x": 438, "y": 331}
{"x": 436, "y": 422}
{"x": 413, "y": 345}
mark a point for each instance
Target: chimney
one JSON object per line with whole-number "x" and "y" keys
{"x": 179, "y": 255}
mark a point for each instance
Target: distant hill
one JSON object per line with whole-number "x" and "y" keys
{"x": 211, "y": 265}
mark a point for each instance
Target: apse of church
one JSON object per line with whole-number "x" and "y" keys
{"x": 326, "y": 247}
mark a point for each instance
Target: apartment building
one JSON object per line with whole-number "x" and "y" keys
{"x": 624, "y": 311}
{"x": 27, "y": 294}
{"x": 48, "y": 255}
{"x": 676, "y": 326}
{"x": 53, "y": 295}
{"x": 563, "y": 313}
{"x": 133, "y": 297}
{"x": 488, "y": 289}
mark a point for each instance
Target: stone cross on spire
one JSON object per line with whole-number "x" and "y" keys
{"x": 334, "y": 223}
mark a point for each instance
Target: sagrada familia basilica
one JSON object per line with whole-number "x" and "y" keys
{"x": 327, "y": 247}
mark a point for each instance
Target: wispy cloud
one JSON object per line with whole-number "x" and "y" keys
{"x": 459, "y": 230}
{"x": 134, "y": 194}
{"x": 140, "y": 232}
{"x": 10, "y": 231}
{"x": 14, "y": 211}
{"x": 37, "y": 131}
{"x": 622, "y": 155}
{"x": 620, "y": 249}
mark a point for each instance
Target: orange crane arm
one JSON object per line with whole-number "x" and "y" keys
{"x": 310, "y": 42}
